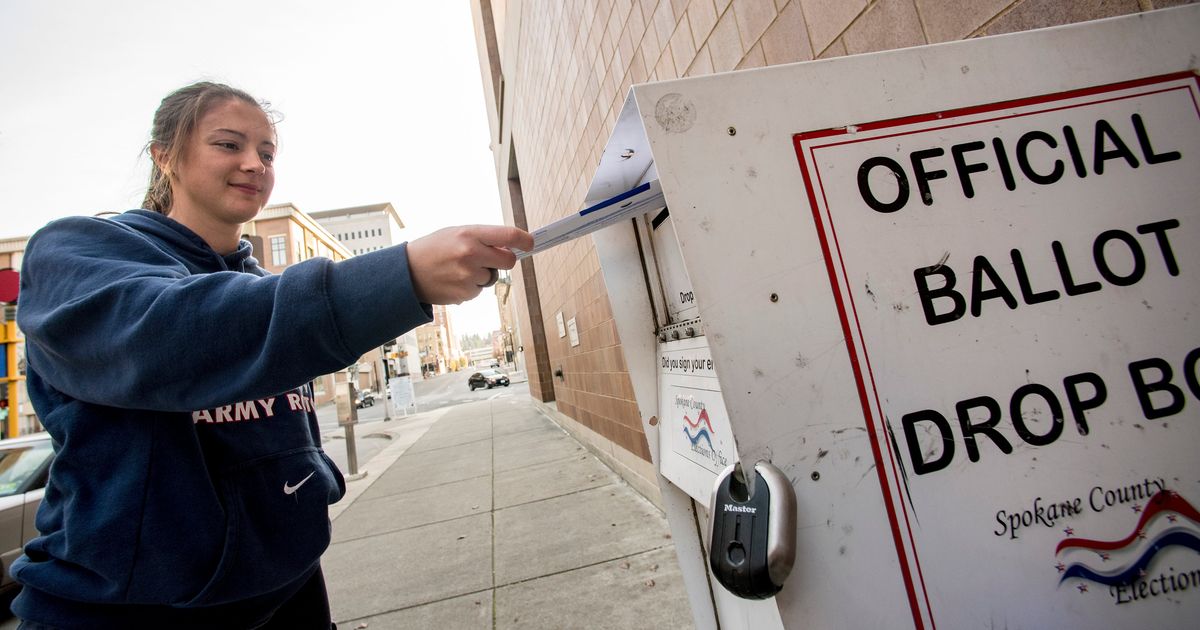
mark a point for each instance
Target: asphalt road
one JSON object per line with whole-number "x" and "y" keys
{"x": 371, "y": 432}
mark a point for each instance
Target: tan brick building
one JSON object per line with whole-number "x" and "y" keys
{"x": 506, "y": 340}
{"x": 555, "y": 77}
{"x": 17, "y": 413}
{"x": 435, "y": 344}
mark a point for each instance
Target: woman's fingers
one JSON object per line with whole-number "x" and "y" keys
{"x": 504, "y": 236}
{"x": 492, "y": 277}
{"x": 453, "y": 265}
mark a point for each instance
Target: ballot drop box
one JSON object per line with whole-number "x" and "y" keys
{"x": 952, "y": 293}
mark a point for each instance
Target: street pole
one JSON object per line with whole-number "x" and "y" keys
{"x": 351, "y": 451}
{"x": 345, "y": 396}
{"x": 387, "y": 406}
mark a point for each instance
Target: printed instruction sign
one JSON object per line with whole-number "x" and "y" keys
{"x": 695, "y": 442}
{"x": 401, "y": 390}
{"x": 1019, "y": 287}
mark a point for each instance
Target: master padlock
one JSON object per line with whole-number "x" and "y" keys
{"x": 752, "y": 527}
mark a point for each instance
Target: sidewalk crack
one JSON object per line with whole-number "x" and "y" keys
{"x": 578, "y": 568}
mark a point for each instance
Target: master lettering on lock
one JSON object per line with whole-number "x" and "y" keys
{"x": 1108, "y": 147}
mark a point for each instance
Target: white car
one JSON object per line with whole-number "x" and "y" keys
{"x": 24, "y": 467}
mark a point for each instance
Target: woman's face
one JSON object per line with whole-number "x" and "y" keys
{"x": 226, "y": 169}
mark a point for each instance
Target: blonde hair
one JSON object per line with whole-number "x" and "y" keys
{"x": 174, "y": 122}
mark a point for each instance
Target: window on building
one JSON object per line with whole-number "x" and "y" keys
{"x": 279, "y": 250}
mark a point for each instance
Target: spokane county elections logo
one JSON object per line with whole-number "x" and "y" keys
{"x": 698, "y": 432}
{"x": 1132, "y": 567}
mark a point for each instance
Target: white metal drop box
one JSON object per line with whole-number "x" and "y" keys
{"x": 953, "y": 293}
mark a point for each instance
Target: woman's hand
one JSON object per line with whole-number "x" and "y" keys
{"x": 453, "y": 265}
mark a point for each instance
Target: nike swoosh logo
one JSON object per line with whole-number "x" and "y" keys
{"x": 289, "y": 489}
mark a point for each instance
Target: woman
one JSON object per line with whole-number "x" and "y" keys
{"x": 189, "y": 487}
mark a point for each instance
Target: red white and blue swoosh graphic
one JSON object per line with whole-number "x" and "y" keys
{"x": 1167, "y": 520}
{"x": 700, "y": 432}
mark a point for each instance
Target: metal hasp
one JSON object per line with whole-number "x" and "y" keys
{"x": 752, "y": 528}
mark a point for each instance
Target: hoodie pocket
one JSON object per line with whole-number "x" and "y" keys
{"x": 277, "y": 523}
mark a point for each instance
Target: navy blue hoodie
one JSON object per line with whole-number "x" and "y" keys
{"x": 189, "y": 487}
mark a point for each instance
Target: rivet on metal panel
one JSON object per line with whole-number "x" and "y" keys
{"x": 732, "y": 130}
{"x": 816, "y": 476}
{"x": 774, "y": 297}
{"x": 691, "y": 332}
{"x": 653, "y": 421}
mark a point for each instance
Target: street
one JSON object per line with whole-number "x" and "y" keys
{"x": 371, "y": 434}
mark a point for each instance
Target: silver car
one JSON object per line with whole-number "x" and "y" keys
{"x": 24, "y": 467}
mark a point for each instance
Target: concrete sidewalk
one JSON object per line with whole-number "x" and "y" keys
{"x": 487, "y": 515}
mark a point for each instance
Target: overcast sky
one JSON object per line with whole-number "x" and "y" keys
{"x": 380, "y": 101}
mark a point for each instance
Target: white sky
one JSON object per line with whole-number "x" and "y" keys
{"x": 381, "y": 101}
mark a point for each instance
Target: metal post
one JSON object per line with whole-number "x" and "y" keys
{"x": 351, "y": 450}
{"x": 384, "y": 389}
{"x": 345, "y": 396}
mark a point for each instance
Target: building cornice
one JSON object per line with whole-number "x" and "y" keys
{"x": 13, "y": 244}
{"x": 288, "y": 210}
{"x": 385, "y": 207}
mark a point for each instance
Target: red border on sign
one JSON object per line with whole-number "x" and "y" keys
{"x": 915, "y": 584}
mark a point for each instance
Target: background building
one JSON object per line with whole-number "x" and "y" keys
{"x": 16, "y": 414}
{"x": 555, "y": 77}
{"x": 433, "y": 346}
{"x": 508, "y": 338}
{"x": 363, "y": 229}
{"x": 283, "y": 235}
{"x": 439, "y": 349}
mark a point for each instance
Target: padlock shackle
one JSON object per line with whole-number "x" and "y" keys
{"x": 742, "y": 490}
{"x": 781, "y": 529}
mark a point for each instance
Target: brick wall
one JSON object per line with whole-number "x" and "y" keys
{"x": 567, "y": 66}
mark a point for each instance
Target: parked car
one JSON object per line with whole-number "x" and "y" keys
{"x": 24, "y": 468}
{"x": 488, "y": 379}
{"x": 366, "y": 398}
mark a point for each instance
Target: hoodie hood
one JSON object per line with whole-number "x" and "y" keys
{"x": 186, "y": 243}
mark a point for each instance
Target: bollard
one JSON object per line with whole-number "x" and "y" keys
{"x": 351, "y": 450}
{"x": 347, "y": 413}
